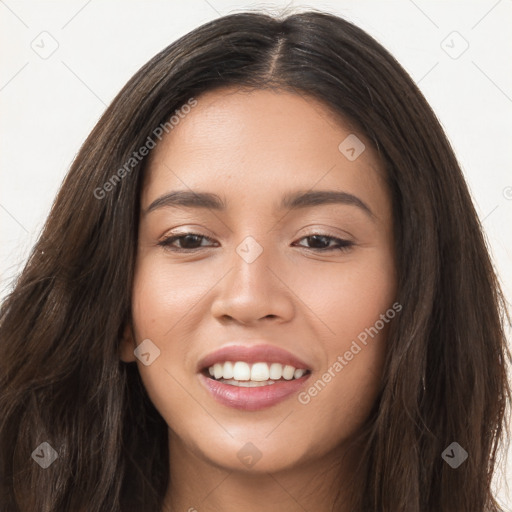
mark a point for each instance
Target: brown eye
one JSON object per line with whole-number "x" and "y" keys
{"x": 187, "y": 242}
{"x": 321, "y": 243}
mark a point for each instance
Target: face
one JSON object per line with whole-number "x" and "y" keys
{"x": 257, "y": 276}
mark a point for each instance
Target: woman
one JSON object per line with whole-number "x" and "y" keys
{"x": 262, "y": 286}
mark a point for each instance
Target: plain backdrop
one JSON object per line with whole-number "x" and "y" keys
{"x": 63, "y": 62}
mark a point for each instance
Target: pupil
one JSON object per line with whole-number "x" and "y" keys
{"x": 317, "y": 238}
{"x": 188, "y": 238}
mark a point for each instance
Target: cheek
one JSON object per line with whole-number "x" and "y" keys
{"x": 341, "y": 395}
{"x": 335, "y": 404}
{"x": 163, "y": 297}
{"x": 161, "y": 305}
{"x": 361, "y": 299}
{"x": 356, "y": 305}
{"x": 350, "y": 298}
{"x": 166, "y": 302}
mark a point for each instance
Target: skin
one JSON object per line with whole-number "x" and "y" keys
{"x": 251, "y": 148}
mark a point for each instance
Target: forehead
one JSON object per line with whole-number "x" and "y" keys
{"x": 273, "y": 120}
{"x": 257, "y": 144}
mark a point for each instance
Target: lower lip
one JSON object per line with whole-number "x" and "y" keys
{"x": 252, "y": 399}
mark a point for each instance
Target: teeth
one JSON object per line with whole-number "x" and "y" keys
{"x": 228, "y": 372}
{"x": 297, "y": 374}
{"x": 259, "y": 372}
{"x": 218, "y": 370}
{"x": 240, "y": 373}
{"x": 247, "y": 383}
{"x": 288, "y": 372}
{"x": 276, "y": 371}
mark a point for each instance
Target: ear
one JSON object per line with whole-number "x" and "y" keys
{"x": 127, "y": 345}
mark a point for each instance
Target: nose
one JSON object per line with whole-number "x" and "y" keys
{"x": 253, "y": 291}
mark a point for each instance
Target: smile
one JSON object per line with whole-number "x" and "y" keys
{"x": 240, "y": 373}
{"x": 252, "y": 378}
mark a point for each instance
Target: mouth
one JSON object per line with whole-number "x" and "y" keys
{"x": 243, "y": 374}
{"x": 252, "y": 378}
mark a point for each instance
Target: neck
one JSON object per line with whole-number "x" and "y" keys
{"x": 198, "y": 485}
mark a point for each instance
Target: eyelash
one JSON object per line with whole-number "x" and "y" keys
{"x": 343, "y": 245}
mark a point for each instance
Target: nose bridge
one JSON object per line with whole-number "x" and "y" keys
{"x": 251, "y": 271}
{"x": 251, "y": 277}
{"x": 251, "y": 290}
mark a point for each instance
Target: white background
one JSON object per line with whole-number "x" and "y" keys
{"x": 49, "y": 105}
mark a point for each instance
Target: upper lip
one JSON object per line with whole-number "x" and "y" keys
{"x": 252, "y": 354}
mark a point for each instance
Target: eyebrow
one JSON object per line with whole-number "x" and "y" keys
{"x": 292, "y": 200}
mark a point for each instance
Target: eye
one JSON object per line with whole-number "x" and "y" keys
{"x": 187, "y": 241}
{"x": 322, "y": 243}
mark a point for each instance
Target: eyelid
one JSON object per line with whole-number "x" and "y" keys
{"x": 168, "y": 239}
{"x": 343, "y": 243}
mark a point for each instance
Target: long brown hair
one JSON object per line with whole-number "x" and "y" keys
{"x": 445, "y": 380}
